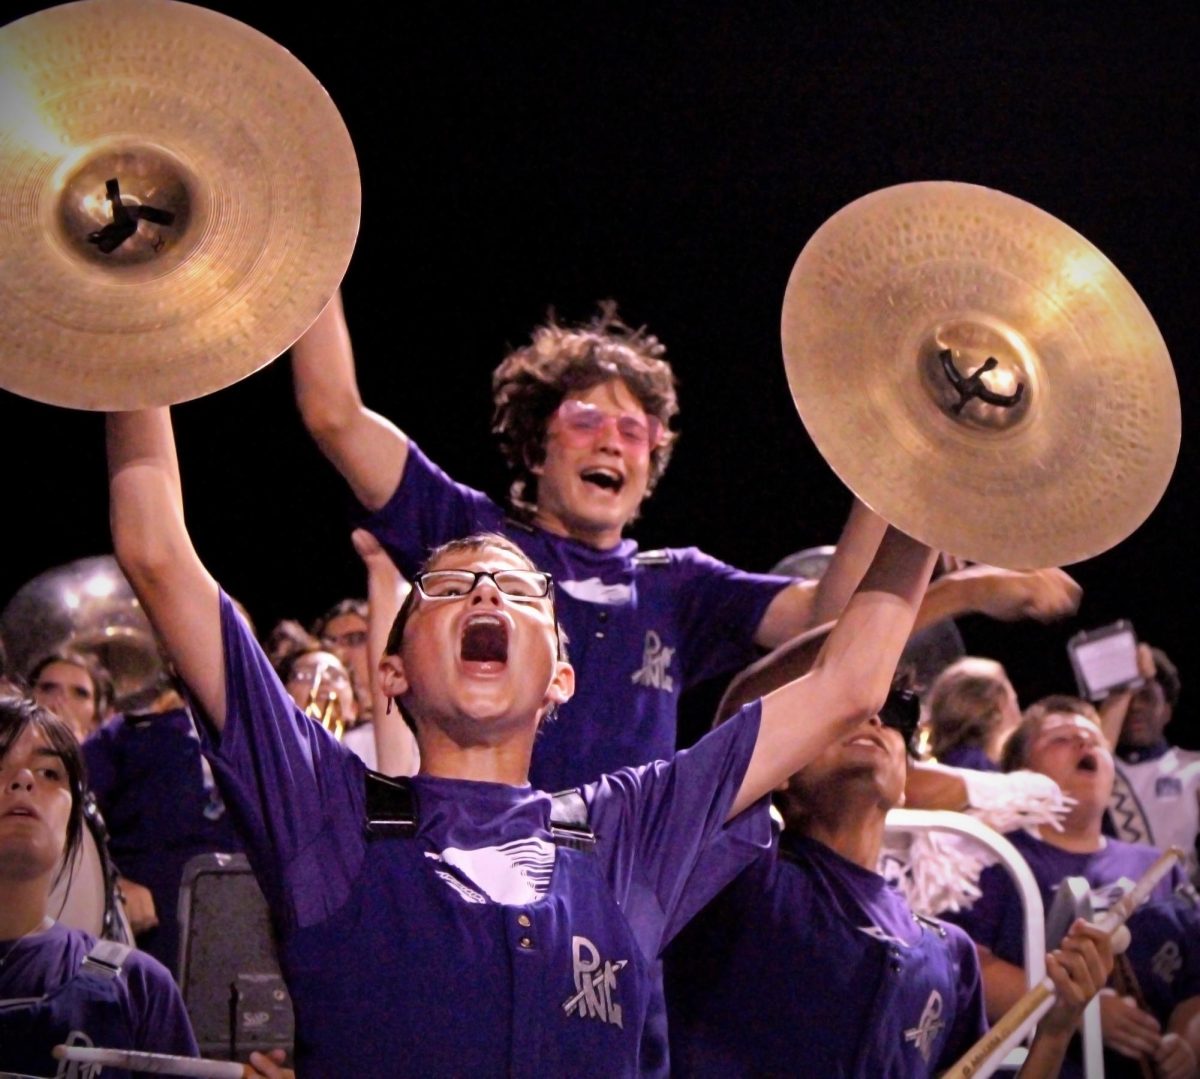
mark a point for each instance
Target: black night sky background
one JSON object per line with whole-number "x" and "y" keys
{"x": 676, "y": 158}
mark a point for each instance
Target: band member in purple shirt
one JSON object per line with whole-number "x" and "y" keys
{"x": 60, "y": 985}
{"x": 1060, "y": 736}
{"x": 809, "y": 963}
{"x": 464, "y": 922}
{"x": 584, "y": 418}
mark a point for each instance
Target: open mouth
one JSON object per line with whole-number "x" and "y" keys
{"x": 605, "y": 478}
{"x": 20, "y": 811}
{"x": 1087, "y": 764}
{"x": 485, "y": 640}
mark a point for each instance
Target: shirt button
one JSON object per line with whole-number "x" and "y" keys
{"x": 525, "y": 942}
{"x": 523, "y": 921}
{"x": 603, "y": 616}
{"x": 599, "y": 635}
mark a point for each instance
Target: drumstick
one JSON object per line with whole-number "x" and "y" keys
{"x": 159, "y": 1063}
{"x": 1012, "y": 1026}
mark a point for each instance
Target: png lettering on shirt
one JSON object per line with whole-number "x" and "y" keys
{"x": 595, "y": 984}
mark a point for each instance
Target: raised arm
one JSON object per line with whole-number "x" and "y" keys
{"x": 852, "y": 675}
{"x": 395, "y": 747}
{"x": 154, "y": 549}
{"x": 368, "y": 450}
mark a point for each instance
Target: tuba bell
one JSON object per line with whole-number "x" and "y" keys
{"x": 88, "y": 606}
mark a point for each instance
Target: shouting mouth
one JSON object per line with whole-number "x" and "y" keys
{"x": 485, "y": 641}
{"x": 607, "y": 479}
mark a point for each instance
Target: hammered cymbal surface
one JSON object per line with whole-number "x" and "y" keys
{"x": 904, "y": 276}
{"x": 197, "y": 117}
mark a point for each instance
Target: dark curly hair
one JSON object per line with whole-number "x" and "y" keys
{"x": 532, "y": 381}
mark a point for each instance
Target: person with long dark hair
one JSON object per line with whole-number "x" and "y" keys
{"x": 60, "y": 985}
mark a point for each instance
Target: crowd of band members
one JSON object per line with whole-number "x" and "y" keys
{"x": 586, "y": 418}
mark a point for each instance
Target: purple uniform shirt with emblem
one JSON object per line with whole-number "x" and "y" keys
{"x": 49, "y": 997}
{"x": 476, "y": 946}
{"x": 642, "y": 628}
{"x": 995, "y": 919}
{"x": 811, "y": 965}
{"x": 161, "y": 808}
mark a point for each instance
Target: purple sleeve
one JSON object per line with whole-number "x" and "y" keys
{"x": 662, "y": 834}
{"x": 970, "y": 1019}
{"x": 428, "y": 509}
{"x": 720, "y": 612}
{"x": 995, "y": 919}
{"x": 160, "y": 1019}
{"x": 298, "y": 795}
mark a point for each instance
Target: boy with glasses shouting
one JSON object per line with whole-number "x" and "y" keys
{"x": 462, "y": 921}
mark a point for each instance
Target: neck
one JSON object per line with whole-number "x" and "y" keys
{"x": 602, "y": 538}
{"x": 1081, "y": 832}
{"x": 854, "y": 832}
{"x": 23, "y": 908}
{"x": 445, "y": 757}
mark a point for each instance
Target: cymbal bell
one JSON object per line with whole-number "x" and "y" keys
{"x": 179, "y": 199}
{"x": 980, "y": 375}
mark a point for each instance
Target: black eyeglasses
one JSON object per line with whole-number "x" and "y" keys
{"x": 521, "y": 584}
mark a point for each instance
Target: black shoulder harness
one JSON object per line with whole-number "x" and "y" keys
{"x": 392, "y": 810}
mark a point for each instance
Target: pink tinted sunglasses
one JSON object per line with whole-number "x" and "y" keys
{"x": 582, "y": 422}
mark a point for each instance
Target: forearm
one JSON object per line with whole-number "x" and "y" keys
{"x": 1046, "y": 1054}
{"x": 1004, "y": 984}
{"x": 152, "y": 545}
{"x": 856, "y": 547}
{"x": 853, "y": 673}
{"x": 930, "y": 786}
{"x": 145, "y": 496}
{"x": 395, "y": 747}
{"x": 324, "y": 381}
{"x": 367, "y": 449}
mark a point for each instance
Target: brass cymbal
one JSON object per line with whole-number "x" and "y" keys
{"x": 893, "y": 310}
{"x": 179, "y": 199}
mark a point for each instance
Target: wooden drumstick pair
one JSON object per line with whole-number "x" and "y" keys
{"x": 1017, "y": 1021}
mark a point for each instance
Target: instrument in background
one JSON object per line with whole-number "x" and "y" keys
{"x": 328, "y": 712}
{"x": 87, "y": 606}
{"x": 179, "y": 199}
{"x": 1013, "y": 1025}
{"x": 980, "y": 375}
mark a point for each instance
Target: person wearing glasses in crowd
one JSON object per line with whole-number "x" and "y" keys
{"x": 464, "y": 922}
{"x": 858, "y": 984}
{"x": 584, "y": 414}
{"x": 321, "y": 685}
{"x": 343, "y": 630}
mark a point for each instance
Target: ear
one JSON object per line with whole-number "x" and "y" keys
{"x": 562, "y": 685}
{"x": 392, "y": 679}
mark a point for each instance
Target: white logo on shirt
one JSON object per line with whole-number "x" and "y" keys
{"x": 516, "y": 873}
{"x": 1167, "y": 962}
{"x": 655, "y": 660}
{"x": 595, "y": 981}
{"x": 928, "y": 1027}
{"x": 594, "y": 590}
{"x": 75, "y": 1069}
